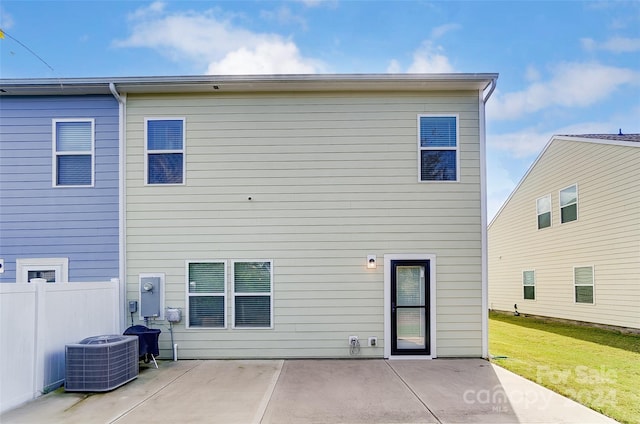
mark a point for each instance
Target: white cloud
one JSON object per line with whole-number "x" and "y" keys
{"x": 441, "y": 30}
{"x": 284, "y": 16}
{"x": 267, "y": 57}
{"x": 571, "y": 85}
{"x": 532, "y": 74}
{"x": 499, "y": 185}
{"x": 211, "y": 41}
{"x": 394, "y": 67}
{"x": 614, "y": 45}
{"x": 6, "y": 20}
{"x": 519, "y": 144}
{"x": 316, "y": 3}
{"x": 430, "y": 59}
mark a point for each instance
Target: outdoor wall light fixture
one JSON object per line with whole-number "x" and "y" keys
{"x": 371, "y": 262}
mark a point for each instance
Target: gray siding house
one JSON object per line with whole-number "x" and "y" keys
{"x": 565, "y": 243}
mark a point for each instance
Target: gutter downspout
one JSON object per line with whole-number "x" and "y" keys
{"x": 122, "y": 104}
{"x": 483, "y": 218}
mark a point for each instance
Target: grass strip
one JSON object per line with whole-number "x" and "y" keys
{"x": 596, "y": 367}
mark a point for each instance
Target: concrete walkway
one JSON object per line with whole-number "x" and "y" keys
{"x": 313, "y": 391}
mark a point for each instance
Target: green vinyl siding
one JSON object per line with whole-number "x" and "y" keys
{"x": 315, "y": 182}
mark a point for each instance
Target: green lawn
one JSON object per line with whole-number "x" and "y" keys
{"x": 596, "y": 367}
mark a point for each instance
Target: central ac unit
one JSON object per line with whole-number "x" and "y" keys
{"x": 101, "y": 363}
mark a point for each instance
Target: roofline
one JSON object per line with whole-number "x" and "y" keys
{"x": 596, "y": 140}
{"x": 248, "y": 83}
{"x": 546, "y": 147}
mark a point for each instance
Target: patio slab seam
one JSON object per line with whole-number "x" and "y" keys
{"x": 413, "y": 392}
{"x": 155, "y": 393}
{"x": 264, "y": 404}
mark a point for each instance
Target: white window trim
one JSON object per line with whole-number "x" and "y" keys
{"x": 59, "y": 265}
{"x": 223, "y": 294}
{"x": 456, "y": 149}
{"x": 593, "y": 284}
{"x": 432, "y": 303}
{"x": 233, "y": 295}
{"x": 54, "y": 156}
{"x": 574, "y": 203}
{"x": 183, "y": 151}
{"x": 535, "y": 285}
{"x": 548, "y": 196}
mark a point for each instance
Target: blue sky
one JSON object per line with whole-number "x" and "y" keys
{"x": 566, "y": 67}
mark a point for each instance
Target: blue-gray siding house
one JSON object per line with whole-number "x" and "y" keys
{"x": 59, "y": 187}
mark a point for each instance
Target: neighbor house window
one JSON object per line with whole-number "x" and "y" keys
{"x": 529, "y": 284}
{"x": 50, "y": 270}
{"x": 583, "y": 284}
{"x": 73, "y": 147}
{"x": 543, "y": 210}
{"x": 252, "y": 294}
{"x": 164, "y": 146}
{"x": 206, "y": 292}
{"x": 438, "y": 145}
{"x": 569, "y": 204}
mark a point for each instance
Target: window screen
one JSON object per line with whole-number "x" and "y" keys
{"x": 206, "y": 284}
{"x": 569, "y": 204}
{"x": 438, "y": 148}
{"x": 583, "y": 280}
{"x": 529, "y": 285}
{"x": 252, "y": 287}
{"x": 543, "y": 210}
{"x": 73, "y": 153}
{"x": 165, "y": 151}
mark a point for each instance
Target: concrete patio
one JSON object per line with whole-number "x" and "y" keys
{"x": 313, "y": 391}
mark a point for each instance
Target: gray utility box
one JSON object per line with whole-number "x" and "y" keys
{"x": 101, "y": 363}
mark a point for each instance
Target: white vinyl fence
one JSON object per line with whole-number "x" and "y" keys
{"x": 37, "y": 320}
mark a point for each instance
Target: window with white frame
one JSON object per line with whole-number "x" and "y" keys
{"x": 569, "y": 204}
{"x": 438, "y": 146}
{"x": 583, "y": 282}
{"x": 543, "y": 211}
{"x": 529, "y": 284}
{"x": 206, "y": 292}
{"x": 252, "y": 294}
{"x": 50, "y": 270}
{"x": 73, "y": 152}
{"x": 164, "y": 147}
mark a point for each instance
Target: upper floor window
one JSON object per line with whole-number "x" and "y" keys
{"x": 438, "y": 145}
{"x": 569, "y": 204}
{"x": 73, "y": 147}
{"x": 164, "y": 148}
{"x": 543, "y": 210}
